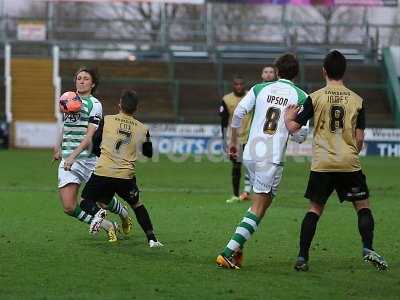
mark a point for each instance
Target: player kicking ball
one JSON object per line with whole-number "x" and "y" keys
{"x": 265, "y": 150}
{"x": 117, "y": 141}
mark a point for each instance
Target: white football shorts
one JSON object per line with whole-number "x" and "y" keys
{"x": 81, "y": 171}
{"x": 264, "y": 177}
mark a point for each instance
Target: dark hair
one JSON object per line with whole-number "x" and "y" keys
{"x": 335, "y": 65}
{"x": 238, "y": 77}
{"x": 287, "y": 66}
{"x": 269, "y": 66}
{"x": 93, "y": 73}
{"x": 129, "y": 101}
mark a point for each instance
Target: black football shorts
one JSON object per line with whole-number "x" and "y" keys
{"x": 102, "y": 189}
{"x": 349, "y": 186}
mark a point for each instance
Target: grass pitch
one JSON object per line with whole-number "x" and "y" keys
{"x": 45, "y": 254}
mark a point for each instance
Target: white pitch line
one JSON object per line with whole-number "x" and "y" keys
{"x": 24, "y": 189}
{"x": 154, "y": 190}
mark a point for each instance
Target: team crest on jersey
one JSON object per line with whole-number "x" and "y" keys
{"x": 72, "y": 118}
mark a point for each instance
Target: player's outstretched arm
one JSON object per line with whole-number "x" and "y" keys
{"x": 147, "y": 147}
{"x": 224, "y": 114}
{"x": 296, "y": 117}
{"x": 97, "y": 139}
{"x": 300, "y": 135}
{"x": 359, "y": 134}
{"x": 84, "y": 144}
{"x": 233, "y": 146}
{"x": 290, "y": 117}
{"x": 244, "y": 106}
{"x": 360, "y": 126}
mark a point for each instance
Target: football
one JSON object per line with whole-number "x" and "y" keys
{"x": 70, "y": 102}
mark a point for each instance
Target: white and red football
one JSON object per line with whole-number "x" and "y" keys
{"x": 70, "y": 102}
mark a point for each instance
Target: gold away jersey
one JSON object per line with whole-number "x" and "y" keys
{"x": 337, "y": 112}
{"x": 230, "y": 101}
{"x": 121, "y": 139}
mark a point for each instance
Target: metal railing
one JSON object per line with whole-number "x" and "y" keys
{"x": 174, "y": 99}
{"x": 206, "y": 33}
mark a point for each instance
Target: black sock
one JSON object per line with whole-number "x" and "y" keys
{"x": 366, "y": 227}
{"x": 144, "y": 221}
{"x": 89, "y": 206}
{"x": 308, "y": 228}
{"x": 236, "y": 173}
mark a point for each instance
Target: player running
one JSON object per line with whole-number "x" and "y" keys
{"x": 77, "y": 162}
{"x": 264, "y": 152}
{"x": 339, "y": 123}
{"x": 118, "y": 141}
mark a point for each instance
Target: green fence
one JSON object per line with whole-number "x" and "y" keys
{"x": 174, "y": 105}
{"x": 393, "y": 84}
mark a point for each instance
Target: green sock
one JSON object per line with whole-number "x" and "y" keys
{"x": 81, "y": 215}
{"x": 242, "y": 234}
{"x": 116, "y": 207}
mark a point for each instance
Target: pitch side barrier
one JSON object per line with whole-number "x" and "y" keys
{"x": 206, "y": 140}
{"x": 195, "y": 139}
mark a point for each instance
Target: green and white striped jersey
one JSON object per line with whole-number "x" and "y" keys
{"x": 76, "y": 124}
{"x": 268, "y": 134}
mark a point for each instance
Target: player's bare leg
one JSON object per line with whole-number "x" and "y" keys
{"x": 231, "y": 257}
{"x": 308, "y": 228}
{"x": 366, "y": 229}
{"x": 68, "y": 196}
{"x": 260, "y": 204}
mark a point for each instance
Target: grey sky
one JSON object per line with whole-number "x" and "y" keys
{"x": 11, "y": 7}
{"x": 375, "y": 14}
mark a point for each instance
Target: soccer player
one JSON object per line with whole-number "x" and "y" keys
{"x": 268, "y": 73}
{"x": 264, "y": 152}
{"x": 77, "y": 162}
{"x": 228, "y": 105}
{"x": 118, "y": 140}
{"x": 339, "y": 123}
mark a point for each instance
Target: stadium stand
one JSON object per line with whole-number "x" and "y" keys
{"x": 32, "y": 92}
{"x": 190, "y": 91}
{"x": 181, "y": 76}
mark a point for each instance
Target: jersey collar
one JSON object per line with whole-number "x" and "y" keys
{"x": 285, "y": 80}
{"x": 336, "y": 84}
{"x": 125, "y": 115}
{"x": 86, "y": 97}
